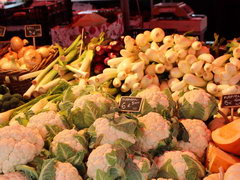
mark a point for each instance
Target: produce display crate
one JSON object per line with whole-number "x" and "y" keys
{"x": 11, "y": 77}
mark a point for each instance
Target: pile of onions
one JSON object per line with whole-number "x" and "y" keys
{"x": 16, "y": 43}
{"x": 32, "y": 58}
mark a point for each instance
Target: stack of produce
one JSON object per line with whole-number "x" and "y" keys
{"x": 103, "y": 53}
{"x": 83, "y": 130}
{"x": 23, "y": 57}
{"x": 78, "y": 132}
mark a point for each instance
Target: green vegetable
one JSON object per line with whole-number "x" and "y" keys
{"x": 48, "y": 170}
{"x": 195, "y": 169}
{"x": 28, "y": 171}
{"x": 168, "y": 171}
{"x": 83, "y": 118}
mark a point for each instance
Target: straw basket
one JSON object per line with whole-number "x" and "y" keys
{"x": 11, "y": 77}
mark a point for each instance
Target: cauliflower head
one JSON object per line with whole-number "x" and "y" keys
{"x": 87, "y": 108}
{"x": 66, "y": 141}
{"x": 181, "y": 165}
{"x": 110, "y": 130}
{"x": 66, "y": 171}
{"x": 13, "y": 176}
{"x": 39, "y": 121}
{"x": 199, "y": 137}
{"x": 104, "y": 158}
{"x": 144, "y": 165}
{"x": 154, "y": 96}
{"x": 18, "y": 145}
{"x": 156, "y": 129}
{"x": 98, "y": 99}
{"x": 197, "y": 104}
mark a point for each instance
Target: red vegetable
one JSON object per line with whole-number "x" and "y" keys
{"x": 108, "y": 48}
{"x": 98, "y": 58}
{"x": 98, "y": 68}
{"x": 106, "y": 60}
{"x": 100, "y": 50}
{"x": 116, "y": 46}
{"x": 112, "y": 55}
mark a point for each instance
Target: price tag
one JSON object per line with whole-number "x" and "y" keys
{"x": 2, "y": 31}
{"x": 130, "y": 104}
{"x": 231, "y": 100}
{"x": 33, "y": 30}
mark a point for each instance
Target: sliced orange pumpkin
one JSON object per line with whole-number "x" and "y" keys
{"x": 216, "y": 159}
{"x": 228, "y": 137}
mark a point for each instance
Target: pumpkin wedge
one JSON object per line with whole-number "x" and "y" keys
{"x": 216, "y": 159}
{"x": 228, "y": 137}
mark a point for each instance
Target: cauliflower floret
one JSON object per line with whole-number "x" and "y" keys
{"x": 42, "y": 119}
{"x": 109, "y": 133}
{"x": 208, "y": 103}
{"x": 143, "y": 164}
{"x": 199, "y": 136}
{"x": 98, "y": 99}
{"x": 13, "y": 176}
{"x": 65, "y": 171}
{"x": 97, "y": 160}
{"x": 156, "y": 129}
{"x": 18, "y": 145}
{"x": 178, "y": 163}
{"x": 154, "y": 96}
{"x": 67, "y": 137}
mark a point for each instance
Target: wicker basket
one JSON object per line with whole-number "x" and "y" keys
{"x": 11, "y": 78}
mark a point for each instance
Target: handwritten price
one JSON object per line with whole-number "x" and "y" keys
{"x": 130, "y": 104}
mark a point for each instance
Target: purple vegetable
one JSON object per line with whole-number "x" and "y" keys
{"x": 98, "y": 68}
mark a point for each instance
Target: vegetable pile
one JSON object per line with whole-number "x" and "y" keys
{"x": 23, "y": 57}
{"x": 78, "y": 131}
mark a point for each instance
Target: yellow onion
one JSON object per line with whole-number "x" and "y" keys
{"x": 11, "y": 55}
{"x": 16, "y": 43}
{"x": 32, "y": 58}
{"x": 23, "y": 50}
{"x": 44, "y": 51}
{"x": 8, "y": 64}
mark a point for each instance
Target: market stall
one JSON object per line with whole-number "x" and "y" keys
{"x": 130, "y": 108}
{"x": 102, "y": 106}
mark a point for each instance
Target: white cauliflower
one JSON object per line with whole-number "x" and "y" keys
{"x": 197, "y": 104}
{"x": 143, "y": 164}
{"x": 13, "y": 176}
{"x": 97, "y": 99}
{"x": 97, "y": 160}
{"x": 68, "y": 137}
{"x": 156, "y": 129}
{"x": 87, "y": 108}
{"x": 178, "y": 165}
{"x": 102, "y": 158}
{"x": 18, "y": 145}
{"x": 66, "y": 171}
{"x": 199, "y": 137}
{"x": 109, "y": 133}
{"x": 42, "y": 119}
{"x": 154, "y": 96}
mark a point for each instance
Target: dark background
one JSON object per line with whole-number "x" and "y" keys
{"x": 223, "y": 15}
